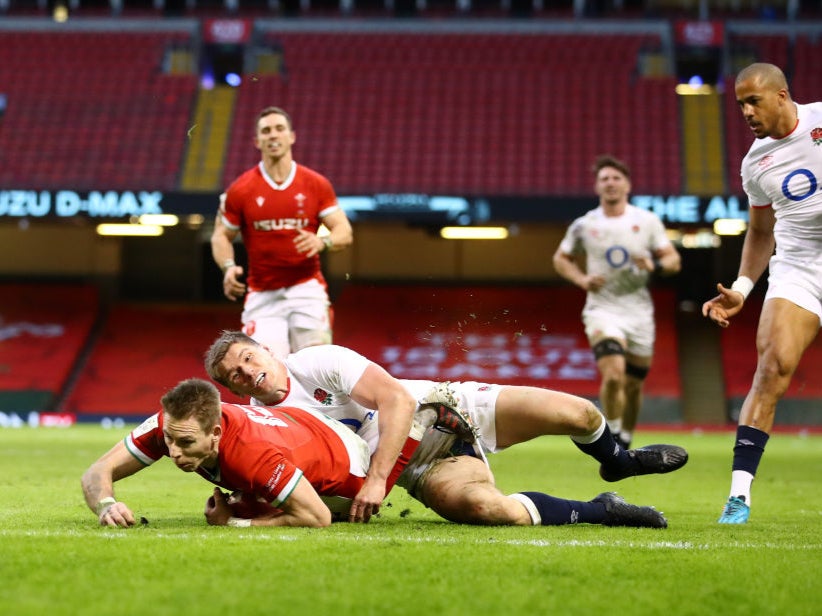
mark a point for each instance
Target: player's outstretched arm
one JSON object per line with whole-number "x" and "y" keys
{"x": 377, "y": 389}
{"x": 303, "y": 507}
{"x": 98, "y": 486}
{"x": 756, "y": 253}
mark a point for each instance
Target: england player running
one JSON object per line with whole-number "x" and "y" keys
{"x": 334, "y": 380}
{"x": 622, "y": 246}
{"x": 277, "y": 206}
{"x": 782, "y": 176}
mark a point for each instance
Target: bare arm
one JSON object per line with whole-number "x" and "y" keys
{"x": 98, "y": 485}
{"x": 566, "y": 266}
{"x": 222, "y": 251}
{"x": 341, "y": 233}
{"x": 759, "y": 243}
{"x": 756, "y": 252}
{"x": 665, "y": 261}
{"x": 303, "y": 507}
{"x": 378, "y": 390}
{"x": 669, "y": 260}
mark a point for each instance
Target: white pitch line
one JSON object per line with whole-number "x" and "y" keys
{"x": 262, "y": 535}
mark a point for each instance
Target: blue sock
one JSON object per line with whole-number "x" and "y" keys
{"x": 750, "y": 445}
{"x": 607, "y": 451}
{"x": 557, "y": 511}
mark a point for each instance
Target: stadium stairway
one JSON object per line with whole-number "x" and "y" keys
{"x": 142, "y": 351}
{"x": 700, "y": 365}
{"x": 208, "y": 138}
{"x": 703, "y": 144}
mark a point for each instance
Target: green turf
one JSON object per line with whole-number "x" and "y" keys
{"x": 55, "y": 560}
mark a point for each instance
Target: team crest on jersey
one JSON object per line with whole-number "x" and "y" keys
{"x": 816, "y": 135}
{"x": 322, "y": 396}
{"x": 260, "y": 200}
{"x": 635, "y": 228}
{"x": 765, "y": 161}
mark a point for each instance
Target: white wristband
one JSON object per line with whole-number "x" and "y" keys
{"x": 743, "y": 285}
{"x": 226, "y": 264}
{"x": 238, "y": 522}
{"x": 105, "y": 504}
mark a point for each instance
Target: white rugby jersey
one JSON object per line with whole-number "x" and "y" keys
{"x": 786, "y": 174}
{"x": 609, "y": 244}
{"x": 321, "y": 378}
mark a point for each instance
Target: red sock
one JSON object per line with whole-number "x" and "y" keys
{"x": 408, "y": 450}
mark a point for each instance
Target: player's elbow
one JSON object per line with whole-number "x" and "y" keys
{"x": 561, "y": 262}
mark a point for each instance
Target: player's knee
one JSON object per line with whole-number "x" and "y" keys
{"x": 613, "y": 380}
{"x": 773, "y": 375}
{"x": 590, "y": 417}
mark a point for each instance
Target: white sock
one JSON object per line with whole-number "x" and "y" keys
{"x": 585, "y": 439}
{"x": 615, "y": 425}
{"x": 626, "y": 436}
{"x": 741, "y": 485}
{"x": 530, "y": 507}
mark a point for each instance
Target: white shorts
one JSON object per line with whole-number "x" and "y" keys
{"x": 636, "y": 328}
{"x": 800, "y": 284}
{"x": 290, "y": 318}
{"x": 479, "y": 400}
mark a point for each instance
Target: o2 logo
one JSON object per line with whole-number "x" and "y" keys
{"x": 812, "y": 184}
{"x": 617, "y": 256}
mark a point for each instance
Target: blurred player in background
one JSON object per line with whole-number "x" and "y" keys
{"x": 782, "y": 176}
{"x": 622, "y": 246}
{"x": 291, "y": 467}
{"x": 277, "y": 207}
{"x": 340, "y": 382}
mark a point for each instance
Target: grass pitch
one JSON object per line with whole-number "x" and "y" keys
{"x": 55, "y": 560}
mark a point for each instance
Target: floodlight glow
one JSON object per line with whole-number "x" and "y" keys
{"x": 474, "y": 233}
{"x": 130, "y": 230}
{"x": 729, "y": 226}
{"x": 163, "y": 220}
{"x": 233, "y": 79}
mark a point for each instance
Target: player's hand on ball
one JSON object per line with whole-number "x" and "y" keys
{"x": 217, "y": 510}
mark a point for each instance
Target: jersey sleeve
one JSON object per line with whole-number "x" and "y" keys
{"x": 326, "y": 197}
{"x": 146, "y": 442}
{"x": 756, "y": 196}
{"x": 570, "y": 244}
{"x": 231, "y": 210}
{"x": 274, "y": 476}
{"x": 334, "y": 367}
